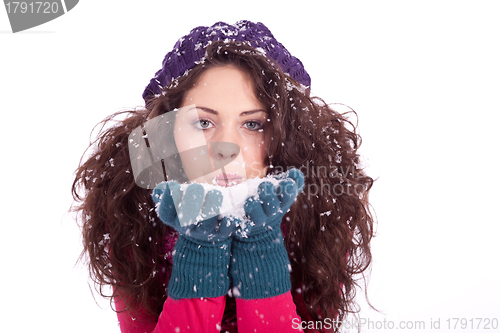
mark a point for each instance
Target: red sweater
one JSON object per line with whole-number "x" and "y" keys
{"x": 275, "y": 314}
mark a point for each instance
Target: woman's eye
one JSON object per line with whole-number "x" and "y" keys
{"x": 253, "y": 125}
{"x": 202, "y": 124}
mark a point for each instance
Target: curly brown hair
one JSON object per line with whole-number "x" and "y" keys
{"x": 327, "y": 231}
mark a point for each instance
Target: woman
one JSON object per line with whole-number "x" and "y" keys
{"x": 326, "y": 232}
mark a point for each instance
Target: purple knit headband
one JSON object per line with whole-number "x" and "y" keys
{"x": 190, "y": 50}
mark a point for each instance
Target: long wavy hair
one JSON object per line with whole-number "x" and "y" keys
{"x": 327, "y": 231}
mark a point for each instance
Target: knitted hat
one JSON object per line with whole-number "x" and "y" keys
{"x": 190, "y": 50}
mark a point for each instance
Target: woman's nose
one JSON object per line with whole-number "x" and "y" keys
{"x": 224, "y": 152}
{"x": 224, "y": 146}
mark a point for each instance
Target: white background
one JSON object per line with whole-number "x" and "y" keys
{"x": 424, "y": 77}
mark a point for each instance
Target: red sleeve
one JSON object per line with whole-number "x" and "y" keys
{"x": 274, "y": 314}
{"x": 190, "y": 314}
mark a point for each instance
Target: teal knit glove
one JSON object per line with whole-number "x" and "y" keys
{"x": 202, "y": 252}
{"x": 260, "y": 267}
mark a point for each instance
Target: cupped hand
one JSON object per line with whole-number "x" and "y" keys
{"x": 191, "y": 212}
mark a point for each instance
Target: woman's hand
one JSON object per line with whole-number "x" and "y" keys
{"x": 192, "y": 213}
{"x": 259, "y": 261}
{"x": 202, "y": 252}
{"x": 266, "y": 211}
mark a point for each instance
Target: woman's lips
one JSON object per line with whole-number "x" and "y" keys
{"x": 227, "y": 179}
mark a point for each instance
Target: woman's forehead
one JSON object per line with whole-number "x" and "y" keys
{"x": 224, "y": 89}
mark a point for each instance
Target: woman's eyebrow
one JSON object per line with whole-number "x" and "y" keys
{"x": 244, "y": 113}
{"x": 208, "y": 110}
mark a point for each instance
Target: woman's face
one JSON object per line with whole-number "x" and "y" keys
{"x": 222, "y": 116}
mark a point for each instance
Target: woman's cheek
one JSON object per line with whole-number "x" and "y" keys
{"x": 254, "y": 163}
